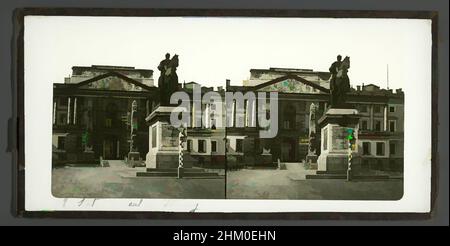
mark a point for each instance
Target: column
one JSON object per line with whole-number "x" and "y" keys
{"x": 205, "y": 116}
{"x": 256, "y": 113}
{"x": 193, "y": 115}
{"x": 202, "y": 114}
{"x": 75, "y": 111}
{"x": 54, "y": 111}
{"x": 245, "y": 113}
{"x": 385, "y": 118}
{"x": 68, "y": 111}
{"x": 208, "y": 116}
{"x": 253, "y": 115}
{"x": 118, "y": 149}
{"x": 233, "y": 114}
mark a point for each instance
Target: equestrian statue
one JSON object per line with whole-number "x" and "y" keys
{"x": 339, "y": 82}
{"x": 168, "y": 80}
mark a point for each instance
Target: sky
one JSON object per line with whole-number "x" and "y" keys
{"x": 213, "y": 49}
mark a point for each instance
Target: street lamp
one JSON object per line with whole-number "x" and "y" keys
{"x": 133, "y": 124}
{"x": 182, "y": 136}
{"x": 225, "y": 139}
{"x": 351, "y": 146}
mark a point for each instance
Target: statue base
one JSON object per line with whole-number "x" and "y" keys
{"x": 311, "y": 158}
{"x": 134, "y": 159}
{"x": 164, "y": 140}
{"x": 264, "y": 160}
{"x": 88, "y": 156}
{"x": 335, "y": 162}
{"x": 134, "y": 156}
{"x": 334, "y": 143}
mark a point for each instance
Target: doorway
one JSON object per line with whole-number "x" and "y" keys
{"x": 288, "y": 150}
{"x": 111, "y": 148}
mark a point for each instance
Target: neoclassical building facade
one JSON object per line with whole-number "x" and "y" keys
{"x": 91, "y": 114}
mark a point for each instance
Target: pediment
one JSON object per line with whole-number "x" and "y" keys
{"x": 291, "y": 84}
{"x": 113, "y": 82}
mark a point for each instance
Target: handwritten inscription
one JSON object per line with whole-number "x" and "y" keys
{"x": 135, "y": 204}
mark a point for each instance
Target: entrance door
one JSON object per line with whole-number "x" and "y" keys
{"x": 110, "y": 148}
{"x": 288, "y": 150}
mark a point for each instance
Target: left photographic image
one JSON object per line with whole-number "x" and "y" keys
{"x": 112, "y": 137}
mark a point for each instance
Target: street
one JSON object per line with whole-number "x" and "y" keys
{"x": 291, "y": 184}
{"x": 119, "y": 181}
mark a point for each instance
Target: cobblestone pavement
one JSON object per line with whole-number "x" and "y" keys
{"x": 114, "y": 181}
{"x": 291, "y": 184}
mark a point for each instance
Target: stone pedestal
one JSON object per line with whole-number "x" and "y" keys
{"x": 133, "y": 156}
{"x": 163, "y": 140}
{"x": 264, "y": 160}
{"x": 134, "y": 159}
{"x": 311, "y": 158}
{"x": 334, "y": 143}
{"x": 88, "y": 156}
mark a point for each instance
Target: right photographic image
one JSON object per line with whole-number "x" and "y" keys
{"x": 329, "y": 124}
{"x": 334, "y": 140}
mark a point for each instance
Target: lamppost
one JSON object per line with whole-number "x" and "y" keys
{"x": 351, "y": 146}
{"x": 133, "y": 124}
{"x": 212, "y": 124}
{"x": 225, "y": 140}
{"x": 182, "y": 136}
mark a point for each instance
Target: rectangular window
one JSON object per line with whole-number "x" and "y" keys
{"x": 302, "y": 106}
{"x": 376, "y": 109}
{"x": 392, "y": 125}
{"x": 189, "y": 145}
{"x": 392, "y": 148}
{"x": 392, "y": 109}
{"x": 239, "y": 143}
{"x": 213, "y": 146}
{"x": 213, "y": 124}
{"x": 63, "y": 101}
{"x": 286, "y": 125}
{"x": 377, "y": 125}
{"x": 380, "y": 148}
{"x": 364, "y": 109}
{"x": 61, "y": 118}
{"x": 61, "y": 143}
{"x": 201, "y": 146}
{"x": 108, "y": 122}
{"x": 364, "y": 125}
{"x": 366, "y": 148}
